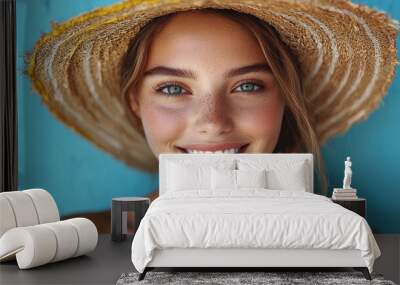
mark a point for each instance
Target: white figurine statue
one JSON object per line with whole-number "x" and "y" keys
{"x": 347, "y": 174}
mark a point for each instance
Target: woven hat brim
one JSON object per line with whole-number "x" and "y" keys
{"x": 347, "y": 55}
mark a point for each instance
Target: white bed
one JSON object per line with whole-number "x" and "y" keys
{"x": 251, "y": 226}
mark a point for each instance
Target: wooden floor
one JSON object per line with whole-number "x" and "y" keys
{"x": 110, "y": 259}
{"x": 388, "y": 263}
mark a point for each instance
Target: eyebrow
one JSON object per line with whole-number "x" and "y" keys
{"x": 164, "y": 70}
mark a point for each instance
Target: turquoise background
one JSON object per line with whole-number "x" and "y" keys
{"x": 82, "y": 178}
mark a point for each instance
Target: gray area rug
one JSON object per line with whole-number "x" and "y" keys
{"x": 229, "y": 278}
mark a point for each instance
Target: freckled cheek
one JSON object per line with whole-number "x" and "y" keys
{"x": 262, "y": 121}
{"x": 162, "y": 125}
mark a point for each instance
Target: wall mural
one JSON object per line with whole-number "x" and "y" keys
{"x": 103, "y": 91}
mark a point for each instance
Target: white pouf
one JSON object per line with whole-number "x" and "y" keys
{"x": 32, "y": 233}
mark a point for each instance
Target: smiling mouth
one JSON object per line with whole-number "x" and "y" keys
{"x": 241, "y": 149}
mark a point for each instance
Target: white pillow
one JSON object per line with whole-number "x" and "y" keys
{"x": 251, "y": 178}
{"x": 228, "y": 179}
{"x": 223, "y": 179}
{"x": 293, "y": 178}
{"x": 183, "y": 178}
{"x": 187, "y": 174}
{"x": 281, "y": 175}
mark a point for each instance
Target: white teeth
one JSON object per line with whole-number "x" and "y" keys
{"x": 231, "y": 150}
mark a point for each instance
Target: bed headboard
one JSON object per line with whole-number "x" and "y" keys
{"x": 201, "y": 159}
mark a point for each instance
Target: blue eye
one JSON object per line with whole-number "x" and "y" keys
{"x": 170, "y": 90}
{"x": 249, "y": 87}
{"x": 175, "y": 90}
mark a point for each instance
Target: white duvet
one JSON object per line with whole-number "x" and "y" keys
{"x": 253, "y": 218}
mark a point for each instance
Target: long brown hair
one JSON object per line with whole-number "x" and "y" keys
{"x": 298, "y": 129}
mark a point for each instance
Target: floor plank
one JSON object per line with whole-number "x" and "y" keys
{"x": 388, "y": 263}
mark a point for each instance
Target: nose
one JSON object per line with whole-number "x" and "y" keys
{"x": 213, "y": 116}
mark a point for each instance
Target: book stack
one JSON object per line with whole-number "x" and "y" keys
{"x": 344, "y": 194}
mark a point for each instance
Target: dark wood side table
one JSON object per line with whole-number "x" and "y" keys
{"x": 120, "y": 209}
{"x": 356, "y": 205}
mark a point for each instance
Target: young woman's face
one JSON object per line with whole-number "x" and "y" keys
{"x": 207, "y": 87}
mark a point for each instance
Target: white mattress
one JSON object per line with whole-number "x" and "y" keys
{"x": 253, "y": 218}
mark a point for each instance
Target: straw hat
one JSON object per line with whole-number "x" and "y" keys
{"x": 347, "y": 54}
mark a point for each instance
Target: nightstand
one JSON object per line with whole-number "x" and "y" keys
{"x": 120, "y": 209}
{"x": 356, "y": 205}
